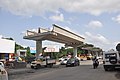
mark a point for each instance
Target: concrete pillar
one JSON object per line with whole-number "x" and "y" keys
{"x": 75, "y": 51}
{"x": 97, "y": 54}
{"x": 38, "y": 48}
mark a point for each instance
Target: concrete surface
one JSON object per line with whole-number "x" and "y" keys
{"x": 24, "y": 70}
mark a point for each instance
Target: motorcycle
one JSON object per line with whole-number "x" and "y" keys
{"x": 95, "y": 63}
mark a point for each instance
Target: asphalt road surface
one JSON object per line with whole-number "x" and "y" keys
{"x": 82, "y": 72}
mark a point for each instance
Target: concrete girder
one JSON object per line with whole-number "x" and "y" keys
{"x": 58, "y": 34}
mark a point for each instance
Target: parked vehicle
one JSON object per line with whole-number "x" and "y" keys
{"x": 3, "y": 72}
{"x": 73, "y": 62}
{"x": 62, "y": 58}
{"x": 64, "y": 61}
{"x": 89, "y": 56}
{"x": 42, "y": 62}
{"x": 83, "y": 57}
{"x": 1, "y": 64}
{"x": 111, "y": 60}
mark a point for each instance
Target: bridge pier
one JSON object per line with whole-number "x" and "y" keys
{"x": 38, "y": 48}
{"x": 75, "y": 51}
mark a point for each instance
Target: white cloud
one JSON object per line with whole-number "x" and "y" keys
{"x": 1, "y": 36}
{"x": 57, "y": 17}
{"x": 95, "y": 24}
{"x": 39, "y": 7}
{"x": 117, "y": 19}
{"x": 98, "y": 40}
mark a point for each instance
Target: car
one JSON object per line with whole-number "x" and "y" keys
{"x": 62, "y": 58}
{"x": 3, "y": 72}
{"x": 42, "y": 62}
{"x": 111, "y": 60}
{"x": 83, "y": 57}
{"x": 64, "y": 61}
{"x": 89, "y": 56}
{"x": 1, "y": 64}
{"x": 73, "y": 62}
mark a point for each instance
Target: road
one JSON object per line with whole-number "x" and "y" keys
{"x": 82, "y": 72}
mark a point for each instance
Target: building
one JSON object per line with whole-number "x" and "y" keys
{"x": 7, "y": 49}
{"x": 21, "y": 53}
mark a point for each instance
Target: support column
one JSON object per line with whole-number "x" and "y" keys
{"x": 75, "y": 51}
{"x": 97, "y": 54}
{"x": 38, "y": 48}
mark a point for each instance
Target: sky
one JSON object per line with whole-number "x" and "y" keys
{"x": 98, "y": 21}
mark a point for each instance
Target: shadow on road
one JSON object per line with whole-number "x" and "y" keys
{"x": 117, "y": 75}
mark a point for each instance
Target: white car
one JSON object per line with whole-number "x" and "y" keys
{"x": 1, "y": 64}
{"x": 111, "y": 60}
{"x": 3, "y": 72}
{"x": 64, "y": 61}
{"x": 61, "y": 59}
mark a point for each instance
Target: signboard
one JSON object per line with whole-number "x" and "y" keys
{"x": 52, "y": 48}
{"x": 49, "y": 48}
{"x": 7, "y": 46}
{"x": 32, "y": 50}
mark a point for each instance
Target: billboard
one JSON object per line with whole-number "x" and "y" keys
{"x": 7, "y": 46}
{"x": 32, "y": 50}
{"x": 49, "y": 48}
{"x": 52, "y": 48}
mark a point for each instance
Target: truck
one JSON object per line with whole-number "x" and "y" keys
{"x": 111, "y": 60}
{"x": 42, "y": 62}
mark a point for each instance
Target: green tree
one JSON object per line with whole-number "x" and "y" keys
{"x": 28, "y": 52}
{"x": 17, "y": 46}
{"x": 62, "y": 51}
